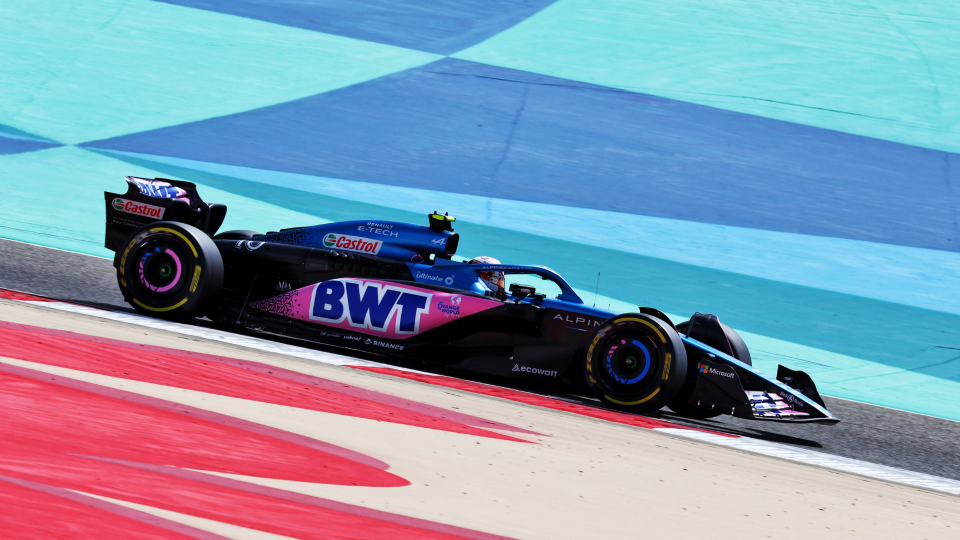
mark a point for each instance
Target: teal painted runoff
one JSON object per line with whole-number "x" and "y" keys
{"x": 55, "y": 198}
{"x": 883, "y": 68}
{"x": 113, "y": 67}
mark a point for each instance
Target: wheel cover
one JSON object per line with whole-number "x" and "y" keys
{"x": 161, "y": 270}
{"x": 630, "y": 363}
{"x": 621, "y": 359}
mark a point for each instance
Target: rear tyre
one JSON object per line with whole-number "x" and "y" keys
{"x": 636, "y": 362}
{"x": 169, "y": 270}
{"x": 734, "y": 346}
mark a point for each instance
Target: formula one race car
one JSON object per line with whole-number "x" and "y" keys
{"x": 393, "y": 289}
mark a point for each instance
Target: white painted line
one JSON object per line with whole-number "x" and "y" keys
{"x": 820, "y": 459}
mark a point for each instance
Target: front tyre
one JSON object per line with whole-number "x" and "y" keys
{"x": 636, "y": 362}
{"x": 170, "y": 270}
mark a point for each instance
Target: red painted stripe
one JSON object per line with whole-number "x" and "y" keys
{"x": 533, "y": 399}
{"x": 308, "y": 500}
{"x": 44, "y": 416}
{"x": 221, "y": 376}
{"x": 193, "y": 412}
{"x": 29, "y": 511}
{"x": 290, "y": 375}
{"x": 184, "y": 494}
{"x": 16, "y": 295}
{"x": 138, "y": 450}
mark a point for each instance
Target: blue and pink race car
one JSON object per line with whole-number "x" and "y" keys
{"x": 394, "y": 289}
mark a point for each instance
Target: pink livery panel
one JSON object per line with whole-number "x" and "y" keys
{"x": 377, "y": 308}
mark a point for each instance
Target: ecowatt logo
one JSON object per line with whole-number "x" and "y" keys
{"x": 535, "y": 371}
{"x": 352, "y": 243}
{"x": 132, "y": 207}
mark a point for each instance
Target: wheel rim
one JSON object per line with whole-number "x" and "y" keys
{"x": 160, "y": 269}
{"x": 629, "y": 363}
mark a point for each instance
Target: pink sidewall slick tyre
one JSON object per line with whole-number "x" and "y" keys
{"x": 169, "y": 270}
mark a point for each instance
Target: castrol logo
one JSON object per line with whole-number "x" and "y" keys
{"x": 352, "y": 243}
{"x": 140, "y": 209}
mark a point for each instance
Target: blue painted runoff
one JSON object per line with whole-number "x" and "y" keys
{"x": 439, "y": 26}
{"x": 15, "y": 146}
{"x": 462, "y": 127}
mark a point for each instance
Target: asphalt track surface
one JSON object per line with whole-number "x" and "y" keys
{"x": 875, "y": 434}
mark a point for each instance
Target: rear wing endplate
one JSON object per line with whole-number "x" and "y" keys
{"x": 158, "y": 199}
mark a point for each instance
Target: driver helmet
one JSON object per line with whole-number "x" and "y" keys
{"x": 492, "y": 280}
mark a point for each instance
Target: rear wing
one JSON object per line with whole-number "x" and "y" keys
{"x": 159, "y": 199}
